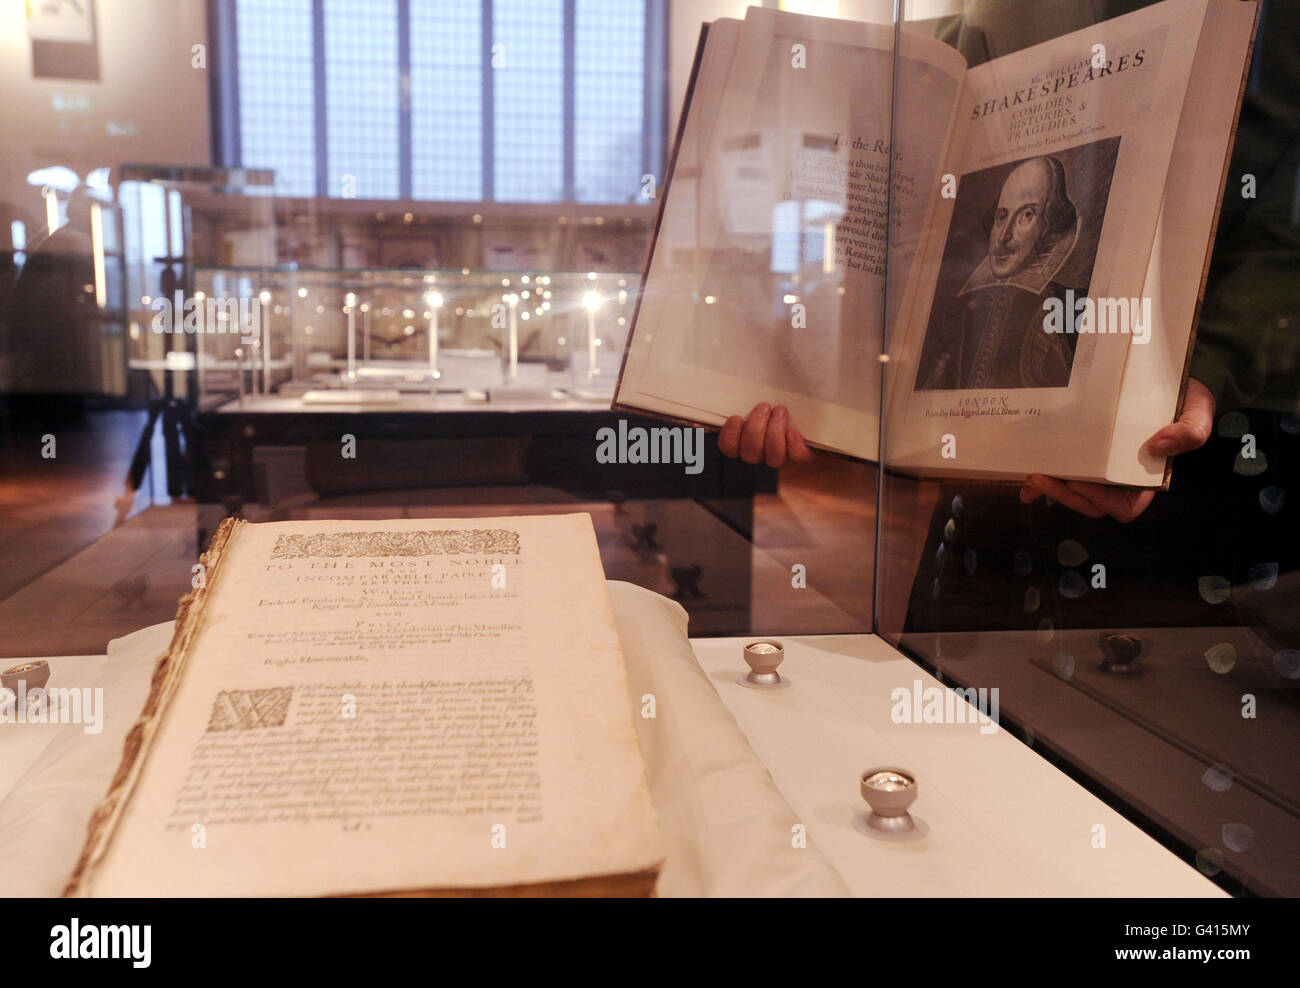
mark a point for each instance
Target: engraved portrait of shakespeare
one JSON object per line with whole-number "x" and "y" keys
{"x": 991, "y": 334}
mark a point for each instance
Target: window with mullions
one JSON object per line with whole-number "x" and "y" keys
{"x": 609, "y": 99}
{"x": 528, "y": 89}
{"x": 447, "y": 103}
{"x": 447, "y": 100}
{"x": 361, "y": 99}
{"x": 276, "y": 101}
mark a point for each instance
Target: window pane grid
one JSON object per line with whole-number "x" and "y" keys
{"x": 278, "y": 101}
{"x": 277, "y": 122}
{"x": 528, "y": 105}
{"x": 447, "y": 99}
{"x": 609, "y": 97}
{"x": 361, "y": 98}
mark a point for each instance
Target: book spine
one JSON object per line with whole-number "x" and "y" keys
{"x": 108, "y": 812}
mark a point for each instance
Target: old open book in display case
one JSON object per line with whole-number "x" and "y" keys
{"x": 888, "y": 497}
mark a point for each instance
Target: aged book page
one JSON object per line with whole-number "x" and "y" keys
{"x": 1092, "y": 117}
{"x": 360, "y": 707}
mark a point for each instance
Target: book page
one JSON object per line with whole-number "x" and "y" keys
{"x": 766, "y": 281}
{"x": 1062, "y": 169}
{"x": 1153, "y": 376}
{"x": 374, "y": 706}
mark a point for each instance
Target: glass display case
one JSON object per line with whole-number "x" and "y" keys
{"x": 451, "y": 386}
{"x": 174, "y": 219}
{"x": 316, "y": 356}
{"x": 375, "y": 335}
{"x": 1144, "y": 640}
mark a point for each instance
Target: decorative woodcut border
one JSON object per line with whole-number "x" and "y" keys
{"x": 433, "y": 542}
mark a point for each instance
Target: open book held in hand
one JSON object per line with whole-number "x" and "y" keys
{"x": 1006, "y": 260}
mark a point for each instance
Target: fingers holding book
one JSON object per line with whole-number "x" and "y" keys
{"x": 1121, "y": 503}
{"x": 764, "y": 436}
{"x": 1094, "y": 500}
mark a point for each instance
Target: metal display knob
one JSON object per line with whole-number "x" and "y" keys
{"x": 763, "y": 657}
{"x": 889, "y": 792}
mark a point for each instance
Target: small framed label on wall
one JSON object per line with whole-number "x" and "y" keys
{"x": 64, "y": 41}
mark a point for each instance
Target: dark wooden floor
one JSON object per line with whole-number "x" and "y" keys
{"x": 83, "y": 561}
{"x": 50, "y": 508}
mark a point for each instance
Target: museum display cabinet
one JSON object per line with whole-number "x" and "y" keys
{"x": 1077, "y": 649}
{"x": 174, "y": 218}
{"x": 1144, "y": 642}
{"x": 456, "y": 384}
{"x": 505, "y": 406}
{"x": 365, "y": 334}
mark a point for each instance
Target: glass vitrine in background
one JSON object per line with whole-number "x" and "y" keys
{"x": 337, "y": 237}
{"x": 61, "y": 282}
{"x": 174, "y": 220}
{"x": 385, "y": 333}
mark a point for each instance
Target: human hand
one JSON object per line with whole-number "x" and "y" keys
{"x": 764, "y": 436}
{"x": 1099, "y": 500}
